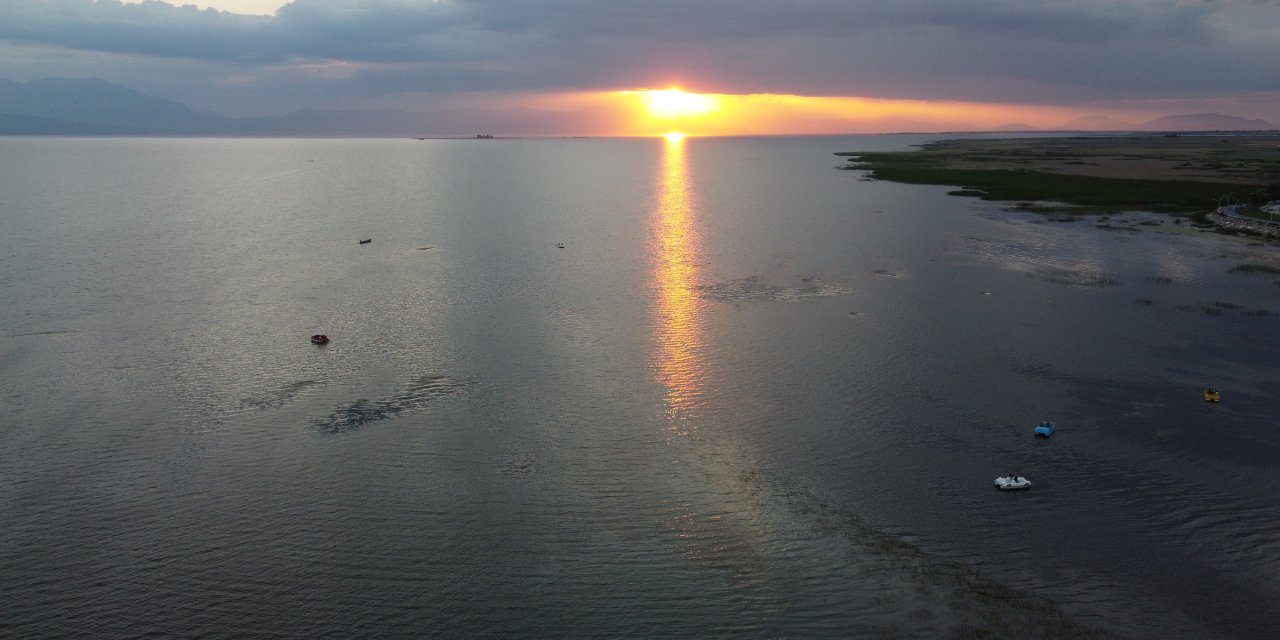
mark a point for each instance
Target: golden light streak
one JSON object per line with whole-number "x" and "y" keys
{"x": 651, "y": 113}
{"x": 678, "y": 355}
{"x": 629, "y": 113}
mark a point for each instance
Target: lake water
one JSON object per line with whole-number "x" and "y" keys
{"x": 751, "y": 396}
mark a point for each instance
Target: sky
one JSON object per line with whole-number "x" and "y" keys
{"x": 762, "y": 66}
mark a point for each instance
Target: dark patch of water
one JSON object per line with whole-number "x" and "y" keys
{"x": 415, "y": 395}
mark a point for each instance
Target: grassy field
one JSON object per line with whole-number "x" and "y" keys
{"x": 1085, "y": 175}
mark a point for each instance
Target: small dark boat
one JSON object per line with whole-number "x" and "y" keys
{"x": 1012, "y": 483}
{"x": 366, "y": 241}
{"x": 319, "y": 338}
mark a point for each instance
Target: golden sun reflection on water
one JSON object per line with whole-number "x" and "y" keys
{"x": 710, "y": 522}
{"x": 677, "y": 311}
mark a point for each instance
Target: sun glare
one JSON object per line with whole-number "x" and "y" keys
{"x": 675, "y": 112}
{"x": 674, "y": 103}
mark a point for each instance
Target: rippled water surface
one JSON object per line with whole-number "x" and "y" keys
{"x": 614, "y": 388}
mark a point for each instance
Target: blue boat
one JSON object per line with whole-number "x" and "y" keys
{"x": 1045, "y": 429}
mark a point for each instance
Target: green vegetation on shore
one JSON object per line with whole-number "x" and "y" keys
{"x": 1097, "y": 195}
{"x": 1085, "y": 175}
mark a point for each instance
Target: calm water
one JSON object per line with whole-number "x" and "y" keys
{"x": 751, "y": 396}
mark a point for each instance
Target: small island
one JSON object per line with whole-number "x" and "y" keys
{"x": 1180, "y": 174}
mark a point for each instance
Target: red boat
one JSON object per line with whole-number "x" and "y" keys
{"x": 319, "y": 338}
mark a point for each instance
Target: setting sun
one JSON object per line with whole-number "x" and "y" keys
{"x": 670, "y": 112}
{"x": 674, "y": 103}
{"x": 674, "y": 136}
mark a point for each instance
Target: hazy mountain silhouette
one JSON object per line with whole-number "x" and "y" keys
{"x": 1096, "y": 123}
{"x": 1014, "y": 127}
{"x": 93, "y": 104}
{"x": 96, "y": 107}
{"x": 1205, "y": 122}
{"x": 1189, "y": 122}
{"x": 37, "y": 126}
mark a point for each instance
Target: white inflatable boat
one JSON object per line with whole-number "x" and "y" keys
{"x": 1012, "y": 483}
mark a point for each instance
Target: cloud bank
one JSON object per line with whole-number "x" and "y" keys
{"x": 360, "y": 51}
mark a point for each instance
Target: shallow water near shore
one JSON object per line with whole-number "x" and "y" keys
{"x": 751, "y": 396}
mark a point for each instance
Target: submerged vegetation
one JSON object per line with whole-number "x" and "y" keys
{"x": 1221, "y": 308}
{"x": 981, "y": 606}
{"x": 1072, "y": 277}
{"x": 1091, "y": 175}
{"x": 1249, "y": 267}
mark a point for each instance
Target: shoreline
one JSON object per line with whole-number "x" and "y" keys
{"x": 1081, "y": 176}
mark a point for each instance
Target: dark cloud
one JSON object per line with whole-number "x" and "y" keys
{"x": 996, "y": 50}
{"x": 150, "y": 28}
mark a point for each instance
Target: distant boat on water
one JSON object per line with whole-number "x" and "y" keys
{"x": 1012, "y": 483}
{"x": 1045, "y": 429}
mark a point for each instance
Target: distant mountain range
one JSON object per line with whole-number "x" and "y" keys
{"x": 59, "y": 106}
{"x": 88, "y": 107}
{"x": 1097, "y": 123}
{"x": 1189, "y": 122}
